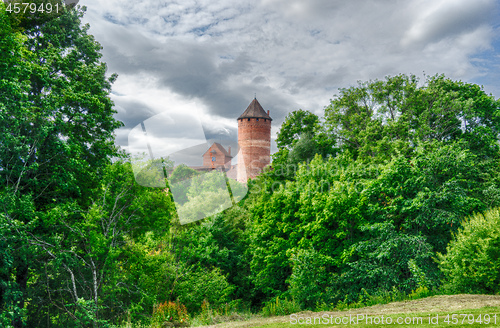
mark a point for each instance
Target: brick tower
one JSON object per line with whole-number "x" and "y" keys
{"x": 254, "y": 141}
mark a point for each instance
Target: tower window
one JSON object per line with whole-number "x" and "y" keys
{"x": 257, "y": 119}
{"x": 248, "y": 120}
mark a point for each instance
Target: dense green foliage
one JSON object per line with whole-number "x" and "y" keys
{"x": 472, "y": 260}
{"x": 354, "y": 210}
{"x": 412, "y": 162}
{"x": 56, "y": 129}
{"x": 378, "y": 119}
{"x": 358, "y": 225}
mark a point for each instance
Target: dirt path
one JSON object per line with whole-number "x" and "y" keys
{"x": 442, "y": 303}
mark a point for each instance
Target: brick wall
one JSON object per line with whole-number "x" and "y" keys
{"x": 220, "y": 158}
{"x": 254, "y": 140}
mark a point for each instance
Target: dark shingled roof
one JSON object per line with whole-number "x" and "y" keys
{"x": 255, "y": 110}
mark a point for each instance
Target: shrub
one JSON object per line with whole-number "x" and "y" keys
{"x": 201, "y": 285}
{"x": 310, "y": 280}
{"x": 170, "y": 314}
{"x": 280, "y": 307}
{"x": 232, "y": 311}
{"x": 472, "y": 261}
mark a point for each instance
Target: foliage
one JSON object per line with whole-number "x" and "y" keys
{"x": 64, "y": 122}
{"x": 172, "y": 312}
{"x": 381, "y": 262}
{"x": 84, "y": 255}
{"x": 378, "y": 119}
{"x": 300, "y": 138}
{"x": 472, "y": 261}
{"x": 296, "y": 123}
{"x": 372, "y": 220}
{"x": 280, "y": 307}
{"x": 182, "y": 172}
{"x": 14, "y": 249}
{"x": 232, "y": 311}
{"x": 311, "y": 278}
{"x": 56, "y": 127}
{"x": 181, "y": 177}
{"x": 218, "y": 242}
{"x": 205, "y": 195}
{"x": 202, "y": 285}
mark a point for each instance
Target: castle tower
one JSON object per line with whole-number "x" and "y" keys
{"x": 254, "y": 140}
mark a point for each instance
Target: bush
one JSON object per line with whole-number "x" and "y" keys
{"x": 201, "y": 285}
{"x": 310, "y": 280}
{"x": 171, "y": 314}
{"x": 232, "y": 311}
{"x": 280, "y": 307}
{"x": 472, "y": 261}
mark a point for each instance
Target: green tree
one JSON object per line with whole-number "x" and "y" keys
{"x": 16, "y": 209}
{"x": 56, "y": 127}
{"x": 300, "y": 138}
{"x": 83, "y": 276}
{"x": 311, "y": 278}
{"x": 377, "y": 119}
{"x": 371, "y": 220}
{"x": 182, "y": 172}
{"x": 296, "y": 123}
{"x": 471, "y": 263}
{"x": 180, "y": 179}
{"x": 200, "y": 285}
{"x": 303, "y": 150}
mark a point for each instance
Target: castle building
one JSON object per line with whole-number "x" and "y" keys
{"x": 254, "y": 141}
{"x": 216, "y": 157}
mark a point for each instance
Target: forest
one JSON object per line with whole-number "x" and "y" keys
{"x": 392, "y": 193}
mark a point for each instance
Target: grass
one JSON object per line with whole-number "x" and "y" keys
{"x": 428, "y": 309}
{"x": 425, "y": 308}
{"x": 463, "y": 318}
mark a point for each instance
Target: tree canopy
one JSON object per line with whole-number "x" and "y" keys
{"x": 377, "y": 119}
{"x": 56, "y": 127}
{"x": 356, "y": 204}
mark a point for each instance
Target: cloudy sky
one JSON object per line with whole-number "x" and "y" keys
{"x": 207, "y": 59}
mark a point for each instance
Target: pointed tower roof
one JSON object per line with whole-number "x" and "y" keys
{"x": 255, "y": 110}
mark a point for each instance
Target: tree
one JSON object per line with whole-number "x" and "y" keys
{"x": 16, "y": 209}
{"x": 472, "y": 260}
{"x": 85, "y": 256}
{"x": 300, "y": 138}
{"x": 304, "y": 149}
{"x": 56, "y": 127}
{"x": 181, "y": 177}
{"x": 296, "y": 123}
{"x": 27, "y": 18}
{"x": 375, "y": 223}
{"x": 377, "y": 119}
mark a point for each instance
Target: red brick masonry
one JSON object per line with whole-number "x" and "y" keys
{"x": 254, "y": 140}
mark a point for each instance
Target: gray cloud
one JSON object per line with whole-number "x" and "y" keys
{"x": 293, "y": 54}
{"x": 449, "y": 19}
{"x": 131, "y": 112}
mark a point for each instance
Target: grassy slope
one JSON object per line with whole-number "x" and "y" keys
{"x": 424, "y": 308}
